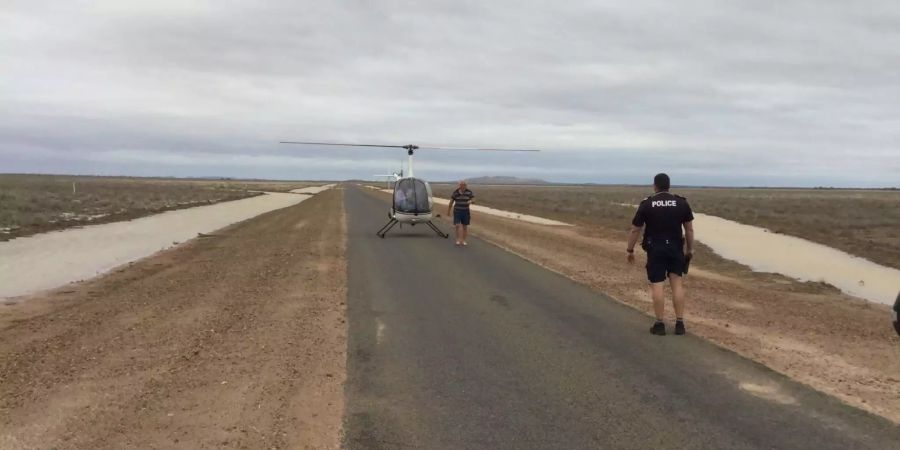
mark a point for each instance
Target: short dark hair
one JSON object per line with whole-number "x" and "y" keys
{"x": 661, "y": 181}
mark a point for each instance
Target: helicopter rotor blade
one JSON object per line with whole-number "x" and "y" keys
{"x": 341, "y": 144}
{"x": 407, "y": 147}
{"x": 483, "y": 149}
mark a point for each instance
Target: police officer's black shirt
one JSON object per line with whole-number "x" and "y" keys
{"x": 663, "y": 214}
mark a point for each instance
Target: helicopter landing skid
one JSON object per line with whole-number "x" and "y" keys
{"x": 387, "y": 227}
{"x": 437, "y": 230}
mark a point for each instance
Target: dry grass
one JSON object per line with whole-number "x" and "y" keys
{"x": 35, "y": 203}
{"x": 860, "y": 222}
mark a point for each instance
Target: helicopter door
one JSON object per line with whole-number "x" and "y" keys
{"x": 411, "y": 196}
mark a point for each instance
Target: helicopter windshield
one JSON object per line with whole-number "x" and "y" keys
{"x": 412, "y": 196}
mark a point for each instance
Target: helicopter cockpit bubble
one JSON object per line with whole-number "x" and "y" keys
{"x": 412, "y": 196}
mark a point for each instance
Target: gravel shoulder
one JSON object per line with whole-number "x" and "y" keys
{"x": 237, "y": 340}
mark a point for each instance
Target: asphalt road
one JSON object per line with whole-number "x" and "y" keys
{"x": 477, "y": 348}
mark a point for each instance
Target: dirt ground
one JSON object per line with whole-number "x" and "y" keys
{"x": 860, "y": 222}
{"x": 31, "y": 204}
{"x": 837, "y": 344}
{"x": 237, "y": 340}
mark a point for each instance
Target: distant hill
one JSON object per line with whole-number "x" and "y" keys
{"x": 506, "y": 180}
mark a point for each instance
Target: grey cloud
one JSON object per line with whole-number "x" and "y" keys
{"x": 788, "y": 93}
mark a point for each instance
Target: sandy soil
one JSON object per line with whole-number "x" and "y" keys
{"x": 835, "y": 343}
{"x": 313, "y": 189}
{"x": 231, "y": 341}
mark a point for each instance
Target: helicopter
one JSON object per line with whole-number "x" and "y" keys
{"x": 412, "y": 200}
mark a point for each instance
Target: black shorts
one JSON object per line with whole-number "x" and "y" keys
{"x": 664, "y": 258}
{"x": 461, "y": 216}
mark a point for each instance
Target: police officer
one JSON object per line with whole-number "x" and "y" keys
{"x": 662, "y": 215}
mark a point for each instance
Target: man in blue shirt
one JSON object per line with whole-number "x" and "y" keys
{"x": 460, "y": 200}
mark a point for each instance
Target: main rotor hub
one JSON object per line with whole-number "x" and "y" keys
{"x": 410, "y": 149}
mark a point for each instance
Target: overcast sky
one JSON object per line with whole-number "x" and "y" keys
{"x": 714, "y": 92}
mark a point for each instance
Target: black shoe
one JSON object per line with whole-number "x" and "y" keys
{"x": 658, "y": 329}
{"x": 679, "y": 328}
